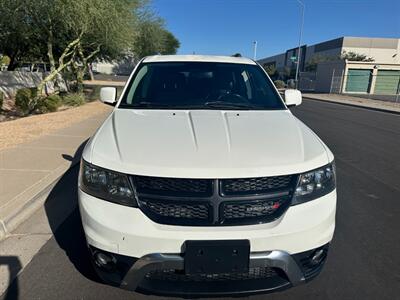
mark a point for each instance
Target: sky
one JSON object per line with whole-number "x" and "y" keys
{"x": 225, "y": 27}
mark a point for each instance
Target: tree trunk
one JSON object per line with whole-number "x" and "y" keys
{"x": 50, "y": 51}
{"x": 80, "y": 72}
{"x": 67, "y": 53}
{"x": 89, "y": 67}
{"x": 13, "y": 62}
{"x": 52, "y": 61}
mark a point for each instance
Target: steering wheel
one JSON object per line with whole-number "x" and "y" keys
{"x": 234, "y": 97}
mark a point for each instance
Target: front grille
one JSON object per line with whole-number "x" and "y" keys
{"x": 258, "y": 185}
{"x": 207, "y": 202}
{"x": 173, "y": 186}
{"x": 263, "y": 210}
{"x": 178, "y": 276}
{"x": 176, "y": 211}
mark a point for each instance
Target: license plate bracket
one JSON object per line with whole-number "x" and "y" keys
{"x": 216, "y": 257}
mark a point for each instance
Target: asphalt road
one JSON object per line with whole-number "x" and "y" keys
{"x": 364, "y": 262}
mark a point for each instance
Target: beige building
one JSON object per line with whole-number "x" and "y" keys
{"x": 358, "y": 77}
{"x": 382, "y": 76}
{"x": 382, "y": 50}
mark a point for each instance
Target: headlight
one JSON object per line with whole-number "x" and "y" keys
{"x": 107, "y": 185}
{"x": 315, "y": 184}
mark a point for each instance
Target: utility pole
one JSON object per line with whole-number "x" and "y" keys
{"x": 300, "y": 38}
{"x": 255, "y": 49}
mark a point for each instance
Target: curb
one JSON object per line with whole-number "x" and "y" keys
{"x": 395, "y": 112}
{"x": 31, "y": 204}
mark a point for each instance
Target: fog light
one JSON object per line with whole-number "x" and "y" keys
{"x": 317, "y": 257}
{"x": 105, "y": 261}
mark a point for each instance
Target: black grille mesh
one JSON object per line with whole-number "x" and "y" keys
{"x": 249, "y": 209}
{"x": 161, "y": 185}
{"x": 254, "y": 185}
{"x": 207, "y": 202}
{"x": 177, "y": 210}
{"x": 176, "y": 276}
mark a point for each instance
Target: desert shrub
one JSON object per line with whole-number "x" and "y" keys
{"x": 74, "y": 99}
{"x": 25, "y": 99}
{"x": 94, "y": 93}
{"x": 49, "y": 104}
{"x": 279, "y": 84}
{"x": 1, "y": 99}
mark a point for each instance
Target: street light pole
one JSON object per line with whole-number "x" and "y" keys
{"x": 300, "y": 38}
{"x": 255, "y": 50}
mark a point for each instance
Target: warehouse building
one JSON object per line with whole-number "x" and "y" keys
{"x": 380, "y": 76}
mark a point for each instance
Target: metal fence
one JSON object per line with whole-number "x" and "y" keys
{"x": 307, "y": 81}
{"x": 377, "y": 86}
{"x": 384, "y": 85}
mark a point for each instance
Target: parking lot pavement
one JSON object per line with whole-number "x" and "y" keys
{"x": 364, "y": 260}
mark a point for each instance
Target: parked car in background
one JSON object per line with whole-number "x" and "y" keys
{"x": 202, "y": 182}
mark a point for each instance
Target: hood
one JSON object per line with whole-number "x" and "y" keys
{"x": 205, "y": 144}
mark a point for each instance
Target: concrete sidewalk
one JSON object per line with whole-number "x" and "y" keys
{"x": 29, "y": 169}
{"x": 385, "y": 106}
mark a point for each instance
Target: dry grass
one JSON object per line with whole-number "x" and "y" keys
{"x": 26, "y": 129}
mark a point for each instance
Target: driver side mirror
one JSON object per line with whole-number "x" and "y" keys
{"x": 108, "y": 95}
{"x": 292, "y": 98}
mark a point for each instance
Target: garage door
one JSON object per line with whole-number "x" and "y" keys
{"x": 358, "y": 81}
{"x": 387, "y": 82}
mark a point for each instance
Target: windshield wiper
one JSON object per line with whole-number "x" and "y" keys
{"x": 153, "y": 105}
{"x": 224, "y": 104}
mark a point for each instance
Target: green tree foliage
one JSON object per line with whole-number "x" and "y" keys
{"x": 71, "y": 34}
{"x": 49, "y": 104}
{"x": 152, "y": 38}
{"x": 170, "y": 43}
{"x": 74, "y": 99}
{"x": 25, "y": 100}
{"x": 279, "y": 84}
{"x": 270, "y": 69}
{"x": 4, "y": 60}
{"x": 311, "y": 65}
{"x": 353, "y": 56}
{"x": 17, "y": 37}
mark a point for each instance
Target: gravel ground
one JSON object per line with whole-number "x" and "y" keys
{"x": 26, "y": 129}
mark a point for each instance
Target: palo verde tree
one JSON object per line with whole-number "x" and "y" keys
{"x": 69, "y": 34}
{"x": 77, "y": 31}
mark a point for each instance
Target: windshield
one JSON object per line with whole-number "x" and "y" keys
{"x": 201, "y": 85}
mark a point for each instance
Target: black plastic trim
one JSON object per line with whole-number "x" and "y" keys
{"x": 215, "y": 201}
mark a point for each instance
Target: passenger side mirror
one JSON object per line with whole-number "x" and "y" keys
{"x": 108, "y": 95}
{"x": 292, "y": 98}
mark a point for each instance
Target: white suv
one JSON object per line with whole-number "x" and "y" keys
{"x": 202, "y": 182}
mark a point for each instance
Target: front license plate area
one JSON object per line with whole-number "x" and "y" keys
{"x": 216, "y": 257}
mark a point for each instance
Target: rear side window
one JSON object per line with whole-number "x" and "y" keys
{"x": 194, "y": 85}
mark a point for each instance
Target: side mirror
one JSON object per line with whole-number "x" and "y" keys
{"x": 108, "y": 95}
{"x": 292, "y": 98}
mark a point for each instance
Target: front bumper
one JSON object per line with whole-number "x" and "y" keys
{"x": 163, "y": 274}
{"x": 150, "y": 260}
{"x": 127, "y": 231}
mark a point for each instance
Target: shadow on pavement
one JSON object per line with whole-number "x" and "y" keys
{"x": 14, "y": 266}
{"x": 62, "y": 212}
{"x": 61, "y": 207}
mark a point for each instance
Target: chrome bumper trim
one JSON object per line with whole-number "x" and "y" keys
{"x": 157, "y": 261}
